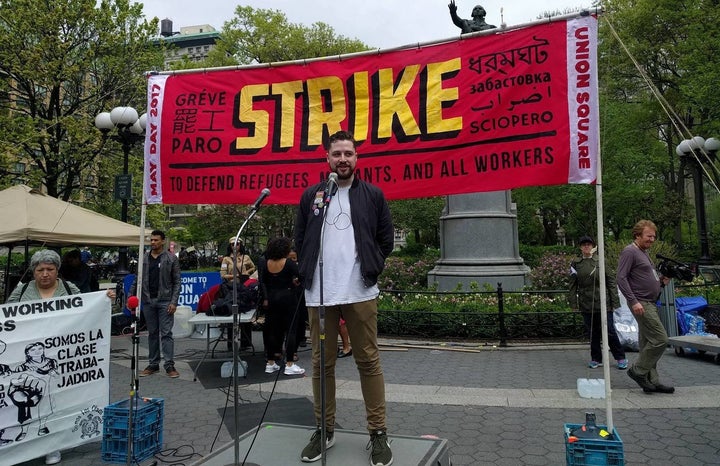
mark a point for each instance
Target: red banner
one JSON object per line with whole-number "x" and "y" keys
{"x": 515, "y": 108}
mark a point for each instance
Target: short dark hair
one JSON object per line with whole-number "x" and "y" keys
{"x": 586, "y": 240}
{"x": 72, "y": 254}
{"x": 340, "y": 136}
{"x": 159, "y": 233}
{"x": 278, "y": 248}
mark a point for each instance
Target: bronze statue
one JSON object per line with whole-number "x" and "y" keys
{"x": 470, "y": 25}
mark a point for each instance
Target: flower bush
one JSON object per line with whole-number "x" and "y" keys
{"x": 406, "y": 273}
{"x": 553, "y": 272}
{"x": 408, "y": 307}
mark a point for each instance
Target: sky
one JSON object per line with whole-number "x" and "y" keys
{"x": 377, "y": 23}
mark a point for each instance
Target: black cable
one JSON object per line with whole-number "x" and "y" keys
{"x": 269, "y": 399}
{"x": 177, "y": 453}
{"x": 272, "y": 391}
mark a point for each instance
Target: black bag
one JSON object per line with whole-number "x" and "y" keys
{"x": 222, "y": 306}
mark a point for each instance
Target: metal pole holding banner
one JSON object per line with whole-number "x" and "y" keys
{"x": 603, "y": 295}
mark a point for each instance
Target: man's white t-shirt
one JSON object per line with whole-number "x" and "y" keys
{"x": 342, "y": 282}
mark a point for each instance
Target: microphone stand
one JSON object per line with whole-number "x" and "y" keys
{"x": 236, "y": 334}
{"x": 321, "y": 317}
{"x": 135, "y": 319}
{"x": 134, "y": 383}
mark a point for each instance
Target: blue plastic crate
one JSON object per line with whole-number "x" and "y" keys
{"x": 147, "y": 430}
{"x": 593, "y": 452}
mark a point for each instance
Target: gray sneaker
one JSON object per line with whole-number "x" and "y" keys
{"x": 313, "y": 452}
{"x": 381, "y": 455}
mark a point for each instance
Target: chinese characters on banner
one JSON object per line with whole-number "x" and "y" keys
{"x": 510, "y": 109}
{"x": 54, "y": 374}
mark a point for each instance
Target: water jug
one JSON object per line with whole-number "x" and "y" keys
{"x": 591, "y": 388}
{"x": 226, "y": 369}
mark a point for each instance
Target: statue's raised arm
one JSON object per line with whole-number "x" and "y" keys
{"x": 477, "y": 23}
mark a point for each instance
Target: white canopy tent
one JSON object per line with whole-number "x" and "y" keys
{"x": 30, "y": 216}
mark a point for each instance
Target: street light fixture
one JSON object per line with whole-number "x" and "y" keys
{"x": 130, "y": 130}
{"x": 695, "y": 151}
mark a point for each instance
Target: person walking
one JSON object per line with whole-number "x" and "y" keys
{"x": 358, "y": 236}
{"x": 641, "y": 284}
{"x": 160, "y": 293}
{"x": 584, "y": 296}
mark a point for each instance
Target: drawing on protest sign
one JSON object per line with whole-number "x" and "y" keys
{"x": 497, "y": 111}
{"x": 54, "y": 374}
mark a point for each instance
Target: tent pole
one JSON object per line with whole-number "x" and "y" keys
{"x": 7, "y": 273}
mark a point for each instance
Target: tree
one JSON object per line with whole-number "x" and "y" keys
{"x": 419, "y": 218}
{"x": 667, "y": 61}
{"x": 61, "y": 63}
{"x": 265, "y": 36}
{"x": 656, "y": 88}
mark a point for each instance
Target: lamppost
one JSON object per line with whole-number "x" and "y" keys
{"x": 693, "y": 152}
{"x": 130, "y": 130}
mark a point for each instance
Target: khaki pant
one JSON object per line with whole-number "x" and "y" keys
{"x": 652, "y": 340}
{"x": 361, "y": 321}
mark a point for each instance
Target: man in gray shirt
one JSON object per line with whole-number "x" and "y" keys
{"x": 640, "y": 283}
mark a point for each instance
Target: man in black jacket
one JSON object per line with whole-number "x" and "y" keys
{"x": 160, "y": 293}
{"x": 358, "y": 236}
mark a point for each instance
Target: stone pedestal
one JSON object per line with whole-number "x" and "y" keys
{"x": 479, "y": 243}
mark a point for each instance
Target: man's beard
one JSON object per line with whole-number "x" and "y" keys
{"x": 345, "y": 176}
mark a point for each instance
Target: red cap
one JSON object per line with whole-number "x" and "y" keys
{"x": 132, "y": 302}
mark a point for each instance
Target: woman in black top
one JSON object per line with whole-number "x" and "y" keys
{"x": 279, "y": 283}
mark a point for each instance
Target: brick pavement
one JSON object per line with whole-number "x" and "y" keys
{"x": 496, "y": 406}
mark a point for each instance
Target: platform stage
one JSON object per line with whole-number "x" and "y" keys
{"x": 281, "y": 444}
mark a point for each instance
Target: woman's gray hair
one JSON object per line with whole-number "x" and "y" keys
{"x": 44, "y": 256}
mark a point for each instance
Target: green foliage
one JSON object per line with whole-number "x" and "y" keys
{"x": 475, "y": 315}
{"x": 266, "y": 36}
{"x": 419, "y": 218}
{"x": 63, "y": 62}
{"x": 16, "y": 260}
{"x": 639, "y": 138}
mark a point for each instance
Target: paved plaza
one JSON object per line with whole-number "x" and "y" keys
{"x": 495, "y": 406}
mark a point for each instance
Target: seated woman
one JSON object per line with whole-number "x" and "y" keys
{"x": 243, "y": 268}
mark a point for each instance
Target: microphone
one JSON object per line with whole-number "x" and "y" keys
{"x": 263, "y": 194}
{"x": 332, "y": 184}
{"x": 132, "y": 304}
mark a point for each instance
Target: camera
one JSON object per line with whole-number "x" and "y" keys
{"x": 672, "y": 268}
